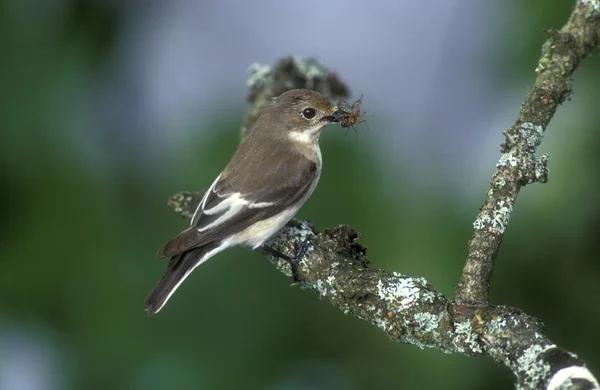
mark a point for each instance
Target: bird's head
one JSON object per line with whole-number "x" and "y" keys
{"x": 302, "y": 113}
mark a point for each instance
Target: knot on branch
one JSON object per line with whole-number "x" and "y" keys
{"x": 345, "y": 240}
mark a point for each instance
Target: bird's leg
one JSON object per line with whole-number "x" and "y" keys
{"x": 291, "y": 260}
{"x": 301, "y": 249}
{"x": 275, "y": 253}
{"x": 299, "y": 252}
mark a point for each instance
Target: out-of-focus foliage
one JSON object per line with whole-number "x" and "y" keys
{"x": 83, "y": 211}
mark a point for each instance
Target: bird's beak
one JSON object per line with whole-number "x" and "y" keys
{"x": 335, "y": 117}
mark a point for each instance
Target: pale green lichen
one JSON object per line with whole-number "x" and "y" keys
{"x": 292, "y": 237}
{"x": 321, "y": 288}
{"x": 404, "y": 292}
{"x": 423, "y": 282}
{"x": 331, "y": 284}
{"x": 497, "y": 222}
{"x": 541, "y": 168}
{"x": 531, "y": 133}
{"x": 545, "y": 58}
{"x": 345, "y": 308}
{"x": 547, "y": 54}
{"x": 501, "y": 217}
{"x": 507, "y": 159}
{"x": 534, "y": 370}
{"x": 311, "y": 69}
{"x": 333, "y": 292}
{"x": 497, "y": 324}
{"x": 382, "y": 324}
{"x": 500, "y": 182}
{"x": 425, "y": 322}
{"x": 258, "y": 75}
{"x": 465, "y": 338}
{"x": 283, "y": 266}
{"x": 482, "y": 222}
{"x": 496, "y": 328}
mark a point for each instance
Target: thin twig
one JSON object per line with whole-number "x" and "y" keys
{"x": 518, "y": 165}
{"x": 410, "y": 310}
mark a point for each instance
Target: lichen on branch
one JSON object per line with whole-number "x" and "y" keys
{"x": 408, "y": 309}
{"x": 518, "y": 164}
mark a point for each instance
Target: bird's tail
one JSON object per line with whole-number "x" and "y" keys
{"x": 179, "y": 268}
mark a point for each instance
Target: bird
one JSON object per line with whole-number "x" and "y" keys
{"x": 271, "y": 175}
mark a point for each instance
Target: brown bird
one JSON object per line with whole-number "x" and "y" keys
{"x": 270, "y": 176}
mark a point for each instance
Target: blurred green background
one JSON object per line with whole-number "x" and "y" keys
{"x": 83, "y": 214}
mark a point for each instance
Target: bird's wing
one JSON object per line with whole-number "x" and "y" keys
{"x": 226, "y": 209}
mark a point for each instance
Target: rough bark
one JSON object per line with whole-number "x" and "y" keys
{"x": 409, "y": 309}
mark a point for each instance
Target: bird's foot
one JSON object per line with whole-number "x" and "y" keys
{"x": 299, "y": 251}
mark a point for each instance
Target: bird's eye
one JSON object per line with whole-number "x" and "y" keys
{"x": 309, "y": 113}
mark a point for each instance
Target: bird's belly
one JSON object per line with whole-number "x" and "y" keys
{"x": 255, "y": 235}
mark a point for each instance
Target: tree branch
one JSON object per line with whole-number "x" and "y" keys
{"x": 518, "y": 165}
{"x": 410, "y": 310}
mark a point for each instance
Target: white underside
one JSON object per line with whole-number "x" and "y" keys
{"x": 254, "y": 235}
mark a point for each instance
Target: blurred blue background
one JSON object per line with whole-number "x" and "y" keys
{"x": 111, "y": 106}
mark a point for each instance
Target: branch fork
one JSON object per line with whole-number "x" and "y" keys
{"x": 408, "y": 309}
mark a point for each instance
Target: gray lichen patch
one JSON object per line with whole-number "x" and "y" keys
{"x": 465, "y": 339}
{"x": 320, "y": 272}
{"x": 411, "y": 313}
{"x": 499, "y": 182}
{"x": 259, "y": 75}
{"x": 541, "y": 169}
{"x": 497, "y": 221}
{"x": 497, "y": 324}
{"x": 425, "y": 322}
{"x": 507, "y": 160}
{"x": 331, "y": 285}
{"x": 286, "y": 241}
{"x": 532, "y": 368}
{"x": 311, "y": 69}
{"x": 289, "y": 237}
{"x": 403, "y": 292}
{"x": 321, "y": 288}
{"x": 282, "y": 265}
{"x": 531, "y": 133}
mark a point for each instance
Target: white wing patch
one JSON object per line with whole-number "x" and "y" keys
{"x": 261, "y": 205}
{"x": 234, "y": 208}
{"x": 230, "y": 206}
{"x": 233, "y": 204}
{"x": 226, "y": 203}
{"x": 203, "y": 201}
